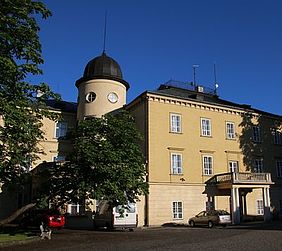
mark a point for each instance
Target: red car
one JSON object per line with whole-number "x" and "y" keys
{"x": 55, "y": 220}
{"x": 50, "y": 218}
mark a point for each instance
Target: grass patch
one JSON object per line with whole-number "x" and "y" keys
{"x": 15, "y": 237}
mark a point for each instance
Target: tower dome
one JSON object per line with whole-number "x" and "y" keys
{"x": 101, "y": 89}
{"x": 103, "y": 67}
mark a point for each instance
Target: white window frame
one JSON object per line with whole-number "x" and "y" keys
{"x": 233, "y": 166}
{"x": 230, "y": 130}
{"x": 90, "y": 97}
{"x": 258, "y": 165}
{"x": 260, "y": 207}
{"x": 75, "y": 209}
{"x": 279, "y": 168}
{"x": 207, "y": 165}
{"x": 175, "y": 123}
{"x": 176, "y": 163}
{"x": 61, "y": 129}
{"x": 177, "y": 210}
{"x": 277, "y": 137}
{"x": 257, "y": 134}
{"x": 206, "y": 128}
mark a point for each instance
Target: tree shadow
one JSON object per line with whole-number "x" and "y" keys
{"x": 260, "y": 141}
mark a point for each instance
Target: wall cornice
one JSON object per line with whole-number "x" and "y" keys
{"x": 196, "y": 105}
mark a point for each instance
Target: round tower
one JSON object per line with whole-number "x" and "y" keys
{"x": 101, "y": 89}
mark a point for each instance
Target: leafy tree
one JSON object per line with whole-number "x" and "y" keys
{"x": 107, "y": 162}
{"x": 21, "y": 112}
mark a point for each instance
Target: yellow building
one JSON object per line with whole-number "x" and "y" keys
{"x": 205, "y": 152}
{"x": 202, "y": 152}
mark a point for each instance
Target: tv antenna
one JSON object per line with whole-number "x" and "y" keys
{"x": 105, "y": 32}
{"x": 215, "y": 79}
{"x": 194, "y": 74}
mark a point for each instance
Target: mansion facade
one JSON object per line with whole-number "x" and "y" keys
{"x": 202, "y": 152}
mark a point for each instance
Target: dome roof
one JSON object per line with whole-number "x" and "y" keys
{"x": 103, "y": 67}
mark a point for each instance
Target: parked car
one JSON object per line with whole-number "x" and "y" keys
{"x": 210, "y": 218}
{"x": 51, "y": 218}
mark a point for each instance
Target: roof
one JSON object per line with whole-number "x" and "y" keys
{"x": 102, "y": 67}
{"x": 61, "y": 105}
{"x": 186, "y": 91}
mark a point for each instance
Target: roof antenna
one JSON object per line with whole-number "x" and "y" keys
{"x": 194, "y": 74}
{"x": 105, "y": 33}
{"x": 215, "y": 80}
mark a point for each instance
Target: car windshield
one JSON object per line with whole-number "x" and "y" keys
{"x": 201, "y": 214}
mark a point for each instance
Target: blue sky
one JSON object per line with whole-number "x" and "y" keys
{"x": 158, "y": 40}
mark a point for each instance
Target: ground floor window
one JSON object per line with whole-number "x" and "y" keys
{"x": 76, "y": 209}
{"x": 260, "y": 207}
{"x": 177, "y": 208}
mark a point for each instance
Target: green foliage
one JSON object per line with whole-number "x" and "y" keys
{"x": 20, "y": 111}
{"x": 107, "y": 162}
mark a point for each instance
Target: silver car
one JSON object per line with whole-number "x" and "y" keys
{"x": 210, "y": 218}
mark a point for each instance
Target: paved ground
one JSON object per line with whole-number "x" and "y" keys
{"x": 245, "y": 237}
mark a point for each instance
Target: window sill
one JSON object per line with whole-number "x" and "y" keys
{"x": 175, "y": 132}
{"x": 205, "y": 136}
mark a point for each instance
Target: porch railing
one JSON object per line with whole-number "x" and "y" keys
{"x": 241, "y": 178}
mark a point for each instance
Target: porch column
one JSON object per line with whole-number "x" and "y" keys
{"x": 266, "y": 201}
{"x": 235, "y": 205}
{"x": 244, "y": 205}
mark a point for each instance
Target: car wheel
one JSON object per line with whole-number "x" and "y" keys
{"x": 109, "y": 227}
{"x": 210, "y": 224}
{"x": 192, "y": 223}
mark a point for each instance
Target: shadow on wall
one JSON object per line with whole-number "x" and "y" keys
{"x": 261, "y": 144}
{"x": 257, "y": 141}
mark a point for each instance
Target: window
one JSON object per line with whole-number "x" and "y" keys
{"x": 175, "y": 123}
{"x": 176, "y": 163}
{"x": 233, "y": 166}
{"x": 61, "y": 129}
{"x": 258, "y": 165}
{"x": 130, "y": 208}
{"x": 59, "y": 158}
{"x": 277, "y": 137}
{"x": 256, "y": 134}
{"x": 90, "y": 97}
{"x": 260, "y": 207}
{"x": 177, "y": 210}
{"x": 207, "y": 165}
{"x": 230, "y": 130}
{"x": 205, "y": 127}
{"x": 76, "y": 209}
{"x": 279, "y": 168}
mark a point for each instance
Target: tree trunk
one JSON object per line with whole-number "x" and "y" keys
{"x": 17, "y": 213}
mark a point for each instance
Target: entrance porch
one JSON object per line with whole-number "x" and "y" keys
{"x": 238, "y": 186}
